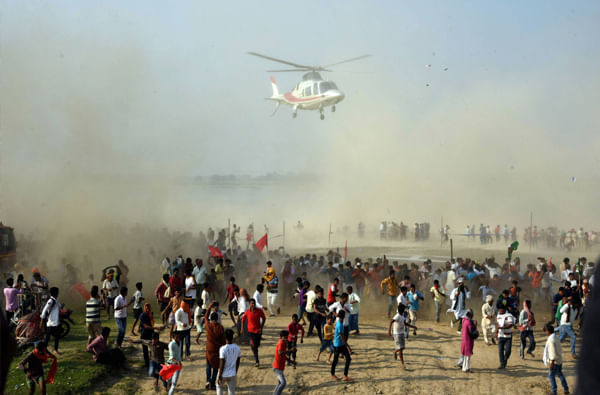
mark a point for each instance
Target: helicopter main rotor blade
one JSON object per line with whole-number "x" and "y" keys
{"x": 285, "y": 70}
{"x": 279, "y": 60}
{"x": 348, "y": 60}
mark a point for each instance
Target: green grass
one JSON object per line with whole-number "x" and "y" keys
{"x": 77, "y": 371}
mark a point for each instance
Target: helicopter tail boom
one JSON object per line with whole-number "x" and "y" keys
{"x": 275, "y": 89}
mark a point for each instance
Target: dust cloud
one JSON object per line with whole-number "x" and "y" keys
{"x": 101, "y": 137}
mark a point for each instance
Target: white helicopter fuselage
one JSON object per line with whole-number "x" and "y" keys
{"x": 309, "y": 94}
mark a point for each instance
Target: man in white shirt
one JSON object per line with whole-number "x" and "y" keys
{"x": 310, "y": 296}
{"x": 110, "y": 288}
{"x": 121, "y": 315}
{"x": 458, "y": 297}
{"x": 257, "y": 296}
{"x": 569, "y": 313}
{"x": 354, "y": 301}
{"x": 553, "y": 359}
{"x": 343, "y": 304}
{"x": 183, "y": 326}
{"x": 229, "y": 363}
{"x": 505, "y": 322}
{"x": 50, "y": 314}
{"x": 190, "y": 289}
{"x": 199, "y": 274}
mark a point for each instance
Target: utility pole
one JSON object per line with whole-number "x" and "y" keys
{"x": 283, "y": 240}
{"x": 451, "y": 250}
{"x": 329, "y": 239}
{"x": 530, "y": 230}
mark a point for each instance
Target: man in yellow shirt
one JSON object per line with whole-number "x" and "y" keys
{"x": 390, "y": 284}
{"x": 438, "y": 298}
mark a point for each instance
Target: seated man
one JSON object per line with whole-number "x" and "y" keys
{"x": 102, "y": 354}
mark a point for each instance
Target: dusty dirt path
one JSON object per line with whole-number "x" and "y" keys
{"x": 430, "y": 358}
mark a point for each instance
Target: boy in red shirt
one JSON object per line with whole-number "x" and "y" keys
{"x": 281, "y": 356}
{"x": 293, "y": 328}
{"x": 256, "y": 320}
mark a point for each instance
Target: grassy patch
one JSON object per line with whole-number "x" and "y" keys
{"x": 77, "y": 371}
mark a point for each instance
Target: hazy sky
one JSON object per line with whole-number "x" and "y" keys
{"x": 167, "y": 88}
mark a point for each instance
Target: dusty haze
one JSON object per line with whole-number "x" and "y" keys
{"x": 109, "y": 112}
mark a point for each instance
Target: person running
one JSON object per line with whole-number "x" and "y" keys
{"x": 138, "y": 298}
{"x": 183, "y": 321}
{"x": 229, "y": 364}
{"x": 92, "y": 314}
{"x": 438, "y": 298}
{"x": 526, "y": 324}
{"x": 553, "y": 359}
{"x": 413, "y": 302}
{"x": 342, "y": 305}
{"x": 340, "y": 347}
{"x": 256, "y": 321}
{"x": 51, "y": 318}
{"x": 33, "y": 367}
{"x": 174, "y": 359}
{"x": 397, "y": 330}
{"x": 232, "y": 306}
{"x": 332, "y": 293}
{"x": 282, "y": 352}
{"x": 320, "y": 309}
{"x": 390, "y": 285}
{"x": 569, "y": 313}
{"x": 272, "y": 282}
{"x": 328, "y": 333}
{"x": 354, "y": 301}
{"x": 293, "y": 328}
{"x": 505, "y": 322}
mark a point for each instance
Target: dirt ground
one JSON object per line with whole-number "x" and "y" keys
{"x": 430, "y": 359}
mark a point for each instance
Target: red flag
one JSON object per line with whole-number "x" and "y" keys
{"x": 346, "y": 251}
{"x": 80, "y": 288}
{"x": 215, "y": 252}
{"x": 167, "y": 371}
{"x": 263, "y": 242}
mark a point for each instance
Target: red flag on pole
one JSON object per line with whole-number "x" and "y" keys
{"x": 215, "y": 252}
{"x": 263, "y": 242}
{"x": 346, "y": 251}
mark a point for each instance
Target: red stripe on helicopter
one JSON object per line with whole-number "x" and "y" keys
{"x": 289, "y": 97}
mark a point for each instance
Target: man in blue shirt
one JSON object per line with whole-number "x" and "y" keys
{"x": 340, "y": 346}
{"x": 413, "y": 302}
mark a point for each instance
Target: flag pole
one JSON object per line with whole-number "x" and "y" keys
{"x": 229, "y": 232}
{"x": 329, "y": 239}
{"x": 283, "y": 240}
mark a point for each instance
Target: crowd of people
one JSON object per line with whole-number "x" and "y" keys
{"x": 194, "y": 294}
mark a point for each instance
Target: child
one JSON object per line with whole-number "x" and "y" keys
{"x": 438, "y": 298}
{"x": 138, "y": 298}
{"x": 281, "y": 356}
{"x": 293, "y": 328}
{"x": 413, "y": 301}
{"x": 327, "y": 338}
{"x": 33, "y": 367}
{"x": 399, "y": 322}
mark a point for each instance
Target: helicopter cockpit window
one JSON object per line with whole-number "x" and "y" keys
{"x": 307, "y": 91}
{"x": 324, "y": 86}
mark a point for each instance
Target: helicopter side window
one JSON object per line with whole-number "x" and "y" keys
{"x": 307, "y": 91}
{"x": 324, "y": 86}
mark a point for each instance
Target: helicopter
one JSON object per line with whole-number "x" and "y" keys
{"x": 312, "y": 93}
